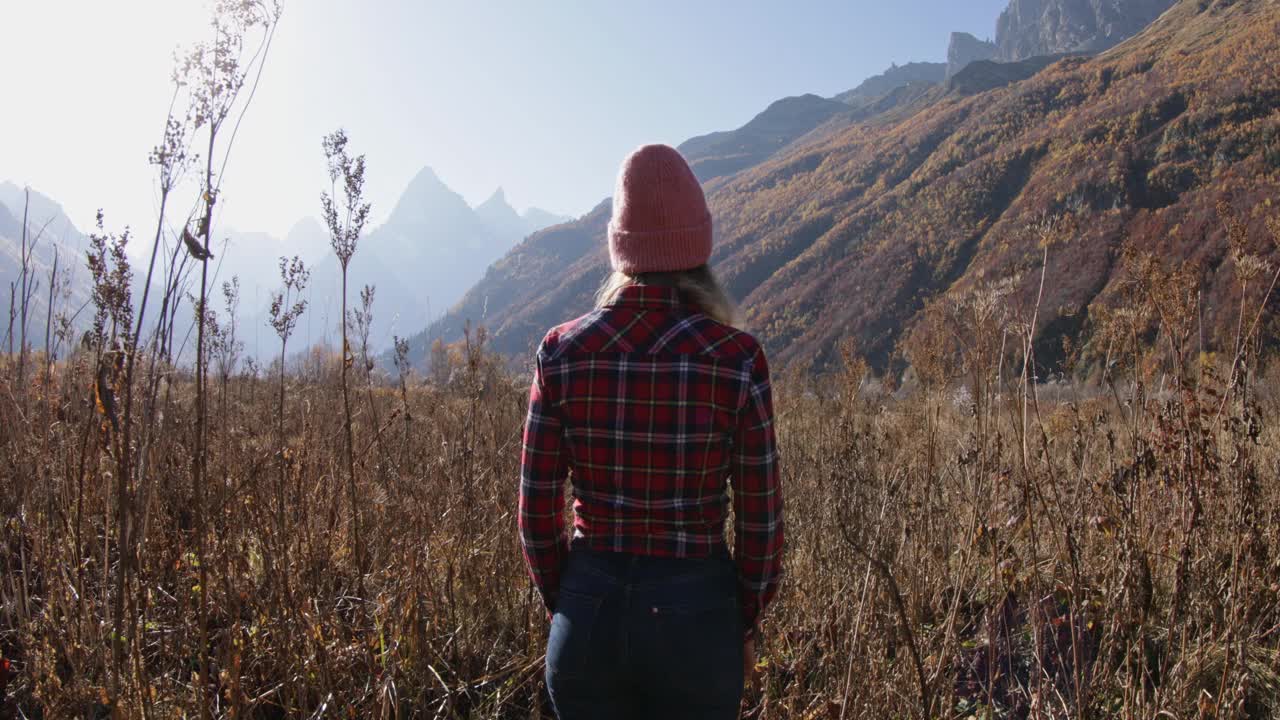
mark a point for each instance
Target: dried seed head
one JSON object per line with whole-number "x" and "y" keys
{"x": 1249, "y": 266}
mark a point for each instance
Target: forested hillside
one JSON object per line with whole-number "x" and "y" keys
{"x": 857, "y": 232}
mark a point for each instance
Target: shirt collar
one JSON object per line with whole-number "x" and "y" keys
{"x": 646, "y": 296}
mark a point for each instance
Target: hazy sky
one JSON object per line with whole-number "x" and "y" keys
{"x": 543, "y": 98}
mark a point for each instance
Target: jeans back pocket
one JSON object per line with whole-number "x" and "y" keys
{"x": 697, "y": 649}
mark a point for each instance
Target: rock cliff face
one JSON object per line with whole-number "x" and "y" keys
{"x": 964, "y": 49}
{"x": 1029, "y": 28}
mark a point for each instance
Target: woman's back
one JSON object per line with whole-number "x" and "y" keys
{"x": 653, "y": 407}
{"x": 650, "y": 396}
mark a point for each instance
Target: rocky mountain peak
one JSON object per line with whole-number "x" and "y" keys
{"x": 427, "y": 199}
{"x": 305, "y": 237}
{"x": 1030, "y": 28}
{"x": 497, "y": 202}
{"x": 965, "y": 49}
{"x": 43, "y": 209}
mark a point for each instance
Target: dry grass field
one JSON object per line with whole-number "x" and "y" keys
{"x": 978, "y": 543}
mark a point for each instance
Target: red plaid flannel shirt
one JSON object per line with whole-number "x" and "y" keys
{"x": 649, "y": 407}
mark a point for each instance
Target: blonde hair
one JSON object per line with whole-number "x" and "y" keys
{"x": 698, "y": 287}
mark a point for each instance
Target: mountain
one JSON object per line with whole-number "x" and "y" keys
{"x": 1028, "y": 28}
{"x": 856, "y": 233}
{"x": 721, "y": 154}
{"x": 10, "y": 226}
{"x": 519, "y": 288}
{"x": 524, "y": 287}
{"x": 50, "y": 233}
{"x": 305, "y": 236}
{"x": 428, "y": 211}
{"x": 724, "y": 153}
{"x": 252, "y": 256}
{"x": 964, "y": 49}
{"x": 983, "y": 75}
{"x": 503, "y": 221}
{"x": 897, "y": 76}
{"x": 499, "y": 217}
{"x": 536, "y": 218}
{"x": 254, "y": 259}
{"x": 43, "y": 211}
{"x": 432, "y": 247}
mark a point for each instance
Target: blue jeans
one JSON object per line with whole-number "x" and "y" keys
{"x": 646, "y": 637}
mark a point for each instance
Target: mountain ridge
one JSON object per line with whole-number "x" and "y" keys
{"x": 895, "y": 77}
{"x": 858, "y": 232}
{"x": 431, "y": 248}
{"x": 724, "y": 153}
{"x": 51, "y": 235}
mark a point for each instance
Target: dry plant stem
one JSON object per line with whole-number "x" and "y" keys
{"x": 127, "y": 515}
{"x": 13, "y": 313}
{"x": 882, "y": 569}
{"x": 349, "y": 439}
{"x": 1027, "y": 361}
{"x": 171, "y": 162}
{"x": 857, "y": 631}
{"x": 25, "y": 263}
{"x": 345, "y": 225}
{"x": 1239, "y": 351}
{"x": 48, "y": 320}
{"x": 200, "y": 453}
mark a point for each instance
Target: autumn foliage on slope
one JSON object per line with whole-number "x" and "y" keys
{"x": 1136, "y": 147}
{"x": 859, "y": 233}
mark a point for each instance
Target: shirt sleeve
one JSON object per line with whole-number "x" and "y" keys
{"x": 543, "y": 471}
{"x": 757, "y": 499}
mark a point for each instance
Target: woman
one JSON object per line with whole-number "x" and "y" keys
{"x": 652, "y": 405}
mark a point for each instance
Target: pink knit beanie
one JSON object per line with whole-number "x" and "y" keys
{"x": 660, "y": 218}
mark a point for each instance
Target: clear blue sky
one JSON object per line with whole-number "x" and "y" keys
{"x": 543, "y": 98}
